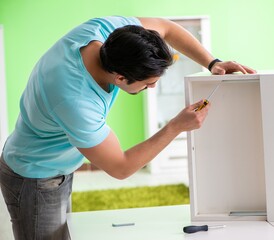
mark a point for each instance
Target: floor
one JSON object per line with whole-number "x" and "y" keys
{"x": 96, "y": 180}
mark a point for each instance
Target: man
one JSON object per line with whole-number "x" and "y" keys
{"x": 64, "y": 107}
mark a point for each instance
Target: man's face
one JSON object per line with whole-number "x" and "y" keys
{"x": 139, "y": 86}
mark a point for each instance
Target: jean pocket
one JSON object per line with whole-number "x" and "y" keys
{"x": 50, "y": 184}
{"x": 53, "y": 192}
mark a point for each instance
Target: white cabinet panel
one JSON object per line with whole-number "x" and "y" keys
{"x": 230, "y": 157}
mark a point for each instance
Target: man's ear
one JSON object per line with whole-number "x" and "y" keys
{"x": 119, "y": 79}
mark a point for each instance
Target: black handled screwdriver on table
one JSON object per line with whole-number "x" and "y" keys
{"x": 194, "y": 229}
{"x": 206, "y": 101}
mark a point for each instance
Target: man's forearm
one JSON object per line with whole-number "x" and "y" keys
{"x": 179, "y": 38}
{"x": 184, "y": 42}
{"x": 141, "y": 154}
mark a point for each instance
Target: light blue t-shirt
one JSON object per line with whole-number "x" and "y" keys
{"x": 62, "y": 106}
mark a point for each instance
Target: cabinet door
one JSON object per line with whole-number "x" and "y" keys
{"x": 168, "y": 99}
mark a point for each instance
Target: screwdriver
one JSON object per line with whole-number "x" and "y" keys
{"x": 194, "y": 229}
{"x": 206, "y": 101}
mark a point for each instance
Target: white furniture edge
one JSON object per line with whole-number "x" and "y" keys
{"x": 268, "y": 138}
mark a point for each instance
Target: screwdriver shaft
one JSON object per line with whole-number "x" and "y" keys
{"x": 214, "y": 90}
{"x": 206, "y": 101}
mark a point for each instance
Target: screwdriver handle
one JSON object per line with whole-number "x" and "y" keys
{"x": 205, "y": 102}
{"x": 194, "y": 229}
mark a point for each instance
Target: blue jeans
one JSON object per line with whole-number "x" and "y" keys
{"x": 37, "y": 207}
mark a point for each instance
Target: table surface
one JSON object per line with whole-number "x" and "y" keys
{"x": 159, "y": 223}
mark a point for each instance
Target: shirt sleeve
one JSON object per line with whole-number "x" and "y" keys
{"x": 83, "y": 121}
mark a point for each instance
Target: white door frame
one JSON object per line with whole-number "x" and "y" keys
{"x": 3, "y": 95}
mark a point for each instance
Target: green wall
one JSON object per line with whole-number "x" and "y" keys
{"x": 241, "y": 30}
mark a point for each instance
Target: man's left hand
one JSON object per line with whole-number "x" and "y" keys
{"x": 220, "y": 68}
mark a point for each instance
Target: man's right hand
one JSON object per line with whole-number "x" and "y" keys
{"x": 189, "y": 119}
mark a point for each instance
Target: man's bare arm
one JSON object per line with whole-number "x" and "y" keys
{"x": 120, "y": 164}
{"x": 183, "y": 41}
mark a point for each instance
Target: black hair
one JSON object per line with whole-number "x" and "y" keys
{"x": 135, "y": 53}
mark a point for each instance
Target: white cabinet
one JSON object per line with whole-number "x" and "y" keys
{"x": 3, "y": 106}
{"x": 168, "y": 99}
{"x": 231, "y": 158}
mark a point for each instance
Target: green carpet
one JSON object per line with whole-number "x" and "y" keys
{"x": 130, "y": 198}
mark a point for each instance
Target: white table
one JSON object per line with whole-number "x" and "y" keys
{"x": 158, "y": 223}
